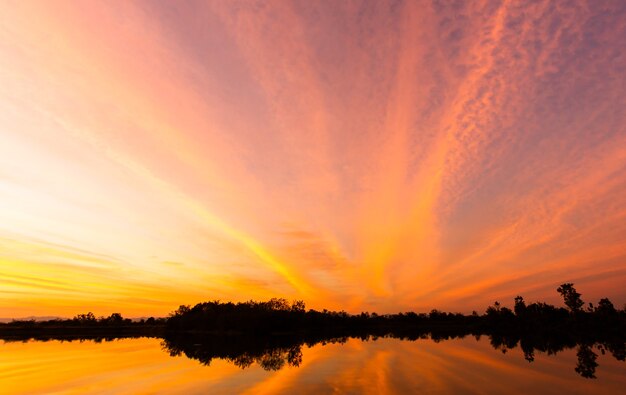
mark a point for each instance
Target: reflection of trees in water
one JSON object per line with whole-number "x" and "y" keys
{"x": 273, "y": 359}
{"x": 275, "y": 352}
{"x": 555, "y": 343}
{"x": 587, "y": 364}
{"x": 271, "y": 353}
{"x": 71, "y": 338}
{"x": 199, "y": 332}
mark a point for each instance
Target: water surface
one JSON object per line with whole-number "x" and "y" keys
{"x": 145, "y": 366}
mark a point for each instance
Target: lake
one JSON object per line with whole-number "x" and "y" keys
{"x": 381, "y": 366}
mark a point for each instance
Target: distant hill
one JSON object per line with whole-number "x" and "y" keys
{"x": 36, "y": 318}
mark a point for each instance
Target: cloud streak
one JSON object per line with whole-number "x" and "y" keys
{"x": 357, "y": 155}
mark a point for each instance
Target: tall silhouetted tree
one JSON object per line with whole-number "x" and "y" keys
{"x": 571, "y": 297}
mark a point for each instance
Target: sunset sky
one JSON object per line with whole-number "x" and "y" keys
{"x": 356, "y": 155}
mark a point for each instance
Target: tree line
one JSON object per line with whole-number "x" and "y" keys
{"x": 278, "y": 316}
{"x": 271, "y": 333}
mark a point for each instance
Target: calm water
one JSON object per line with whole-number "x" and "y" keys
{"x": 142, "y": 366}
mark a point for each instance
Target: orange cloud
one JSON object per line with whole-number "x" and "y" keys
{"x": 359, "y": 156}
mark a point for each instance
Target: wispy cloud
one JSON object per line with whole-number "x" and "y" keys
{"x": 357, "y": 155}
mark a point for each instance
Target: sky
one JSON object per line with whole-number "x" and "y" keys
{"x": 379, "y": 156}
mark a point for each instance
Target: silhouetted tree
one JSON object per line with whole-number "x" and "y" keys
{"x": 88, "y": 318}
{"x": 298, "y": 306}
{"x": 606, "y": 308}
{"x": 115, "y": 319}
{"x": 571, "y": 297}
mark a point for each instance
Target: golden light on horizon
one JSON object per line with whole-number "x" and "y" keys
{"x": 359, "y": 156}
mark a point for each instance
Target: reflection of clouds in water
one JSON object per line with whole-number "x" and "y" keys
{"x": 274, "y": 353}
{"x": 352, "y": 366}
